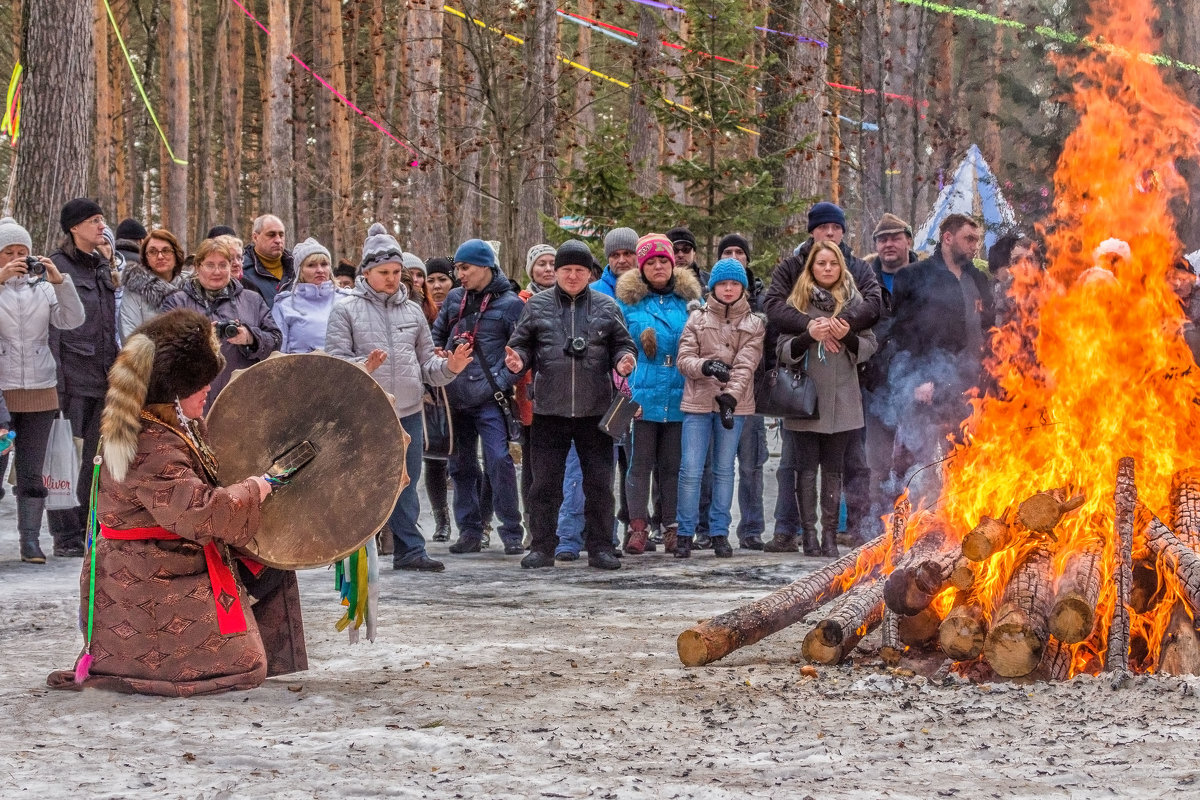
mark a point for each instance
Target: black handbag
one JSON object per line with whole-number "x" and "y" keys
{"x": 436, "y": 425}
{"x": 787, "y": 392}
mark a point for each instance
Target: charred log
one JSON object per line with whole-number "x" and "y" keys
{"x": 815, "y": 648}
{"x": 962, "y": 633}
{"x": 1078, "y": 588}
{"x": 987, "y": 538}
{"x": 1125, "y": 500}
{"x": 920, "y": 630}
{"x": 1020, "y": 626}
{"x": 892, "y": 648}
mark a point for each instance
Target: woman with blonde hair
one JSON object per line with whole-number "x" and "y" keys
{"x": 830, "y": 353}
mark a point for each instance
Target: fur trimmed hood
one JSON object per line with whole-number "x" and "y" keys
{"x": 139, "y": 280}
{"x": 631, "y": 289}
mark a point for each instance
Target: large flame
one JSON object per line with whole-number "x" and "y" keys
{"x": 1093, "y": 370}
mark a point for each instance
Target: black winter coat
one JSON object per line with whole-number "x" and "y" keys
{"x": 873, "y": 374}
{"x": 256, "y": 278}
{"x": 928, "y": 306}
{"x": 84, "y": 354}
{"x": 564, "y": 385}
{"x": 787, "y": 320}
{"x": 493, "y": 328}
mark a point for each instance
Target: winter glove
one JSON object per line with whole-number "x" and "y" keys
{"x": 727, "y": 404}
{"x": 714, "y": 368}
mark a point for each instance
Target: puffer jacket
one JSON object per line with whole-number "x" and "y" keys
{"x": 27, "y": 311}
{"x": 656, "y": 321}
{"x": 787, "y": 320}
{"x": 839, "y": 399}
{"x": 86, "y": 352}
{"x": 302, "y": 314}
{"x": 368, "y": 320}
{"x": 492, "y": 329}
{"x": 143, "y": 296}
{"x": 234, "y": 303}
{"x": 606, "y": 284}
{"x": 563, "y": 385}
{"x": 730, "y": 333}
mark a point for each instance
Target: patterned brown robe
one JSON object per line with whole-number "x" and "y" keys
{"x": 155, "y": 629}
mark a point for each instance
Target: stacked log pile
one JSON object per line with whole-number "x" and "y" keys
{"x": 925, "y": 598}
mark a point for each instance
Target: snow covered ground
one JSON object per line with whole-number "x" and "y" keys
{"x": 488, "y": 681}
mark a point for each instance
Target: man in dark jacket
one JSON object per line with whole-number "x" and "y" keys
{"x": 266, "y": 263}
{"x": 826, "y": 223}
{"x": 83, "y": 354}
{"x": 485, "y": 310}
{"x": 943, "y": 310}
{"x": 572, "y": 337}
{"x": 130, "y": 234}
{"x": 683, "y": 242}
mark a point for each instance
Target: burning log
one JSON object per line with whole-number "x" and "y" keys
{"x": 920, "y": 630}
{"x": 849, "y": 609}
{"x": 1185, "y": 507}
{"x": 920, "y": 575}
{"x": 1180, "y": 651}
{"x": 1056, "y": 662}
{"x": 1045, "y": 510}
{"x": 1183, "y": 559}
{"x": 721, "y": 635}
{"x": 1125, "y": 499}
{"x": 892, "y": 648}
{"x": 1074, "y": 613}
{"x": 962, "y": 574}
{"x": 1020, "y": 626}
{"x": 849, "y": 613}
{"x": 962, "y": 633}
{"x": 987, "y": 538}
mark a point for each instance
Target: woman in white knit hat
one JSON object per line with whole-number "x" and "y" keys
{"x": 302, "y": 310}
{"x": 32, "y": 299}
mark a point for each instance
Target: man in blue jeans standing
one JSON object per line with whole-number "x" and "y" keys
{"x": 482, "y": 310}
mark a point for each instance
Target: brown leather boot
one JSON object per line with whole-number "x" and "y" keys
{"x": 670, "y": 538}
{"x": 782, "y": 543}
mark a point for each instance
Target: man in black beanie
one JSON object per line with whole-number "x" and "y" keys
{"x": 684, "y": 242}
{"x": 84, "y": 354}
{"x": 129, "y": 236}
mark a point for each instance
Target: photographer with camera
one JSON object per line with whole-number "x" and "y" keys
{"x": 244, "y": 325}
{"x": 572, "y": 337}
{"x": 482, "y": 311}
{"x": 34, "y": 296}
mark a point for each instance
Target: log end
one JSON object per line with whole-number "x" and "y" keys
{"x": 903, "y": 595}
{"x": 1013, "y": 650}
{"x": 816, "y": 651}
{"x": 891, "y": 655}
{"x": 1071, "y": 619}
{"x": 962, "y": 577}
{"x": 1040, "y": 513}
{"x": 693, "y": 648}
{"x": 831, "y": 632}
{"x": 961, "y": 635}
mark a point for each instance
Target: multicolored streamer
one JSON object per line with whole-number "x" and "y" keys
{"x": 356, "y": 580}
{"x": 141, "y": 90}
{"x": 11, "y": 123}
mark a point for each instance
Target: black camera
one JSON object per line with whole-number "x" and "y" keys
{"x": 466, "y": 337}
{"x": 576, "y": 347}
{"x": 35, "y": 266}
{"x": 227, "y": 328}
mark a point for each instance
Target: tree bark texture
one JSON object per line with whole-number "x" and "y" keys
{"x": 1125, "y": 501}
{"x": 643, "y": 127}
{"x": 536, "y": 194}
{"x": 231, "y": 40}
{"x": 178, "y": 118}
{"x": 277, "y": 129}
{"x": 1073, "y": 614}
{"x": 1020, "y": 626}
{"x": 57, "y": 126}
{"x": 430, "y": 231}
{"x": 804, "y": 169}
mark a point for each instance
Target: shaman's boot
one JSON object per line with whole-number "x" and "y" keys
{"x": 806, "y": 498}
{"x": 29, "y": 526}
{"x": 831, "y": 503}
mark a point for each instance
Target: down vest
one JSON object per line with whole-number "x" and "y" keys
{"x": 367, "y": 320}
{"x": 730, "y": 333}
{"x": 26, "y": 314}
{"x": 564, "y": 385}
{"x": 655, "y": 322}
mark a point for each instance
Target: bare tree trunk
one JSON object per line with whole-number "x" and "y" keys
{"x": 58, "y": 127}
{"x": 277, "y": 135}
{"x": 106, "y": 189}
{"x": 430, "y": 228}
{"x": 178, "y": 108}
{"x": 643, "y": 128}
{"x": 204, "y": 175}
{"x": 677, "y": 140}
{"x": 902, "y": 124}
{"x": 304, "y": 161}
{"x": 535, "y": 196}
{"x": 233, "y": 67}
{"x": 469, "y": 148}
{"x": 806, "y": 119}
{"x": 122, "y": 167}
{"x": 382, "y": 71}
{"x": 585, "y": 91}
{"x": 341, "y": 153}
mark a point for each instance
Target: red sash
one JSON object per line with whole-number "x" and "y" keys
{"x": 228, "y": 603}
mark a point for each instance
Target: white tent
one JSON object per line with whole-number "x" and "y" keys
{"x": 974, "y": 191}
{"x": 1195, "y": 259}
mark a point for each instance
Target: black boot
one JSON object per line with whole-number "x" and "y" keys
{"x": 806, "y": 498}
{"x": 831, "y": 503}
{"x": 782, "y": 543}
{"x": 441, "y": 521}
{"x": 683, "y": 547}
{"x": 29, "y": 526}
{"x": 721, "y": 548}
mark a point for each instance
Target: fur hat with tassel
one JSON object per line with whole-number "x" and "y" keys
{"x": 171, "y": 357}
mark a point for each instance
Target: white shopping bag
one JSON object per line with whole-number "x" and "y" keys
{"x": 61, "y": 470}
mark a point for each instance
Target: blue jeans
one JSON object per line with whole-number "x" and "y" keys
{"x": 570, "y": 513}
{"x": 409, "y": 543}
{"x": 487, "y": 424}
{"x": 751, "y": 455}
{"x": 698, "y": 431}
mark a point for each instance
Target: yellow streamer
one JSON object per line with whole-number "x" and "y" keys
{"x": 12, "y": 107}
{"x": 138, "y": 83}
{"x": 576, "y": 65}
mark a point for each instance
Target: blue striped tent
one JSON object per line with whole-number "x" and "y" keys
{"x": 974, "y": 190}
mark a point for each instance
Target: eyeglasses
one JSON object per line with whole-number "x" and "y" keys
{"x": 155, "y": 253}
{"x": 684, "y": 248}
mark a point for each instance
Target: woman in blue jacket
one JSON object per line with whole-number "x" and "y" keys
{"x": 654, "y": 300}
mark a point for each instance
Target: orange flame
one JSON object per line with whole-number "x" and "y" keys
{"x": 1093, "y": 368}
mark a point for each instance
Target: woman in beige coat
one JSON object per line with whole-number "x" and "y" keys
{"x": 719, "y": 350}
{"x": 830, "y": 353}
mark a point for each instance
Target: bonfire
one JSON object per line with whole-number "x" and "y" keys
{"x": 1065, "y": 536}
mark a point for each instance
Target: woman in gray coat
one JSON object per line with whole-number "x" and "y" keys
{"x": 381, "y": 328}
{"x": 830, "y": 353}
{"x": 149, "y": 281}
